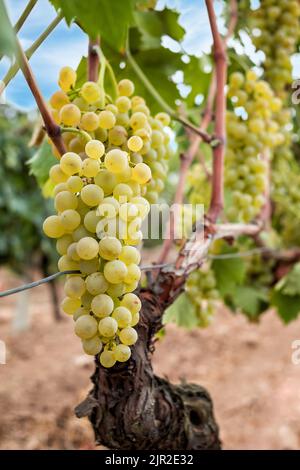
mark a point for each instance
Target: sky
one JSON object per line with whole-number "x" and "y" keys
{"x": 66, "y": 45}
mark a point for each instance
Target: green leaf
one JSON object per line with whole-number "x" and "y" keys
{"x": 229, "y": 273}
{"x": 81, "y": 72}
{"x": 109, "y": 19}
{"x": 182, "y": 312}
{"x": 7, "y": 34}
{"x": 288, "y": 307}
{"x": 290, "y": 284}
{"x": 41, "y": 162}
{"x": 155, "y": 24}
{"x": 250, "y": 300}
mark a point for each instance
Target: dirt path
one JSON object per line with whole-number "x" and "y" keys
{"x": 247, "y": 368}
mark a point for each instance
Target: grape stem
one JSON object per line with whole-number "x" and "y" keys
{"x": 12, "y": 71}
{"x": 93, "y": 59}
{"x": 219, "y": 52}
{"x": 53, "y": 130}
{"x": 29, "y": 7}
{"x": 74, "y": 130}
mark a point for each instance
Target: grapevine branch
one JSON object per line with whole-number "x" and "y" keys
{"x": 217, "y": 199}
{"x": 53, "y": 130}
{"x": 29, "y": 7}
{"x": 13, "y": 70}
{"x": 93, "y": 59}
{"x": 188, "y": 157}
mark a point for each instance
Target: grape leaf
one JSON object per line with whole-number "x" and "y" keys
{"x": 182, "y": 312}
{"x": 7, "y": 34}
{"x": 108, "y": 19}
{"x": 229, "y": 273}
{"x": 41, "y": 162}
{"x": 250, "y": 300}
{"x": 290, "y": 284}
{"x": 288, "y": 307}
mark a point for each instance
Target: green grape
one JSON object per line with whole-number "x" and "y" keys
{"x": 102, "y": 305}
{"x": 79, "y": 312}
{"x": 95, "y": 149}
{"x": 106, "y": 180}
{"x": 57, "y": 175}
{"x": 122, "y": 353}
{"x": 67, "y": 264}
{"x": 63, "y": 244}
{"x": 123, "y": 104}
{"x": 108, "y": 327}
{"x": 141, "y": 173}
{"x": 74, "y": 287}
{"x": 128, "y": 336}
{"x": 90, "y": 92}
{"x": 90, "y": 167}
{"x": 87, "y": 248}
{"x": 70, "y": 115}
{"x": 128, "y": 211}
{"x": 133, "y": 273}
{"x": 122, "y": 316}
{"x": 72, "y": 252}
{"x": 58, "y": 100}
{"x": 96, "y": 283}
{"x": 138, "y": 120}
{"x": 65, "y": 200}
{"x": 107, "y": 119}
{"x": 74, "y": 184}
{"x": 116, "y": 290}
{"x": 92, "y": 195}
{"x": 122, "y": 192}
{"x": 70, "y": 163}
{"x": 116, "y": 161}
{"x": 89, "y": 121}
{"x": 135, "y": 143}
{"x": 70, "y": 219}
{"x": 86, "y": 327}
{"x": 132, "y": 302}
{"x": 53, "y": 227}
{"x": 135, "y": 319}
{"x": 164, "y": 118}
{"x": 110, "y": 248}
{"x": 115, "y": 271}
{"x": 91, "y": 220}
{"x": 79, "y": 233}
{"x": 89, "y": 266}
{"x": 107, "y": 359}
{"x": 126, "y": 87}
{"x": 67, "y": 78}
{"x": 92, "y": 346}
{"x": 117, "y": 135}
{"x": 70, "y": 305}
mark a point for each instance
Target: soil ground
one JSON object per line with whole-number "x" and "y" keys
{"x": 247, "y": 369}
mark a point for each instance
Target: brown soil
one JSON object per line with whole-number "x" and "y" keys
{"x": 247, "y": 369}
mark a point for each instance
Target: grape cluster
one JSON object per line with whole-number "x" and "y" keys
{"x": 276, "y": 32}
{"x": 253, "y": 134}
{"x": 201, "y": 287}
{"x": 101, "y": 197}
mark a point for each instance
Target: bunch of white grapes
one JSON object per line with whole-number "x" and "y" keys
{"x": 253, "y": 134}
{"x": 275, "y": 31}
{"x": 102, "y": 184}
{"x": 201, "y": 288}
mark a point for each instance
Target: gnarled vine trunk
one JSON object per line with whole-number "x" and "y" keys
{"x": 130, "y": 408}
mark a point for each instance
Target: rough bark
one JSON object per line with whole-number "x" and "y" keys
{"x": 130, "y": 408}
